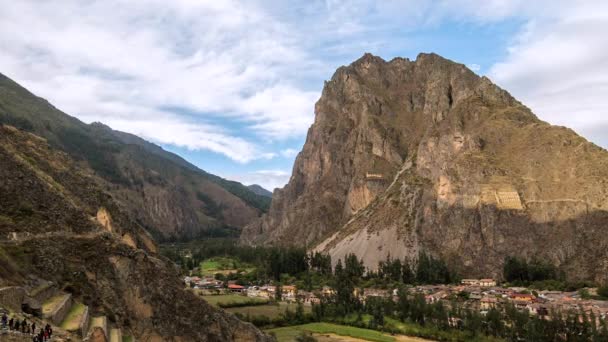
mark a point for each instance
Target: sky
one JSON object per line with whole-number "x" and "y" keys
{"x": 231, "y": 85}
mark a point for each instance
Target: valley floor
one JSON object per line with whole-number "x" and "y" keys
{"x": 328, "y": 332}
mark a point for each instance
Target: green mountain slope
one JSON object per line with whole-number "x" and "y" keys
{"x": 172, "y": 198}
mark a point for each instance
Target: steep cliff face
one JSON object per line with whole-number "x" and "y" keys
{"x": 170, "y": 197}
{"x": 425, "y": 155}
{"x": 58, "y": 224}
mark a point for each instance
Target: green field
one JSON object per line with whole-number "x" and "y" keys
{"x": 269, "y": 310}
{"x": 223, "y": 265}
{"x": 232, "y": 299}
{"x": 289, "y": 334}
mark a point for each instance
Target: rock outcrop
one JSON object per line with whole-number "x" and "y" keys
{"x": 417, "y": 155}
{"x": 57, "y": 223}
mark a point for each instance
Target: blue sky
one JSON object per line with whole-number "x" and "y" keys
{"x": 231, "y": 85}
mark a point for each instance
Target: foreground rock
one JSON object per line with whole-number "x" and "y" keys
{"x": 418, "y": 155}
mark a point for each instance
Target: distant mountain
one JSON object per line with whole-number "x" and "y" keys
{"x": 170, "y": 197}
{"x": 408, "y": 156}
{"x": 259, "y": 190}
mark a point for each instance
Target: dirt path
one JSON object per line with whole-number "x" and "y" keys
{"x": 338, "y": 338}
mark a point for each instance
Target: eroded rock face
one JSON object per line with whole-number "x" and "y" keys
{"x": 425, "y": 155}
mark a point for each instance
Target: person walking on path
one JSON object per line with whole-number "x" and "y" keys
{"x": 10, "y": 324}
{"x": 4, "y": 320}
{"x": 49, "y": 331}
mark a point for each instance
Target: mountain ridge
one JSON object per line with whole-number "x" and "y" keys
{"x": 144, "y": 177}
{"x": 259, "y": 190}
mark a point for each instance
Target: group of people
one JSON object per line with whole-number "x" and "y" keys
{"x": 24, "y": 327}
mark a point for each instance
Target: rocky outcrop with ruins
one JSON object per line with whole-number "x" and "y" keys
{"x": 73, "y": 258}
{"x": 406, "y": 156}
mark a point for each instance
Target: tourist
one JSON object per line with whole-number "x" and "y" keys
{"x": 49, "y": 330}
{"x": 16, "y": 325}
{"x": 10, "y": 324}
{"x": 24, "y": 326}
{"x": 4, "y": 320}
{"x": 41, "y": 335}
{"x": 33, "y": 327}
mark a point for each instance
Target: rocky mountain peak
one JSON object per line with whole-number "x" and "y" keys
{"x": 426, "y": 155}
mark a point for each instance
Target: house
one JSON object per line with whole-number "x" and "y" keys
{"x": 538, "y": 309}
{"x": 487, "y": 303}
{"x": 327, "y": 291}
{"x": 470, "y": 282}
{"x": 522, "y": 304}
{"x": 502, "y": 291}
{"x": 289, "y": 293}
{"x": 487, "y": 282}
{"x": 374, "y": 293}
{"x": 308, "y": 298}
{"x": 522, "y": 297}
{"x": 435, "y": 297}
{"x": 234, "y": 288}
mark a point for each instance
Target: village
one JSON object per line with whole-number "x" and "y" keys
{"x": 478, "y": 294}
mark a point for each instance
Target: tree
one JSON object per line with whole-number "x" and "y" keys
{"x": 403, "y": 304}
{"x": 407, "y": 276}
{"x": 602, "y": 291}
{"x": 305, "y": 337}
{"x": 300, "y": 316}
{"x": 278, "y": 294}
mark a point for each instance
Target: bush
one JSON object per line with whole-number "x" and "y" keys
{"x": 602, "y": 291}
{"x": 305, "y": 337}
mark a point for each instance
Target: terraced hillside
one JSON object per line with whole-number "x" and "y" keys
{"x": 59, "y": 225}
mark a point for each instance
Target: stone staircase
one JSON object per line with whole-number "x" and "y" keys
{"x": 68, "y": 317}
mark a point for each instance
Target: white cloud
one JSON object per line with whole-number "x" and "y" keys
{"x": 474, "y": 67}
{"x": 558, "y": 66}
{"x": 289, "y": 153}
{"x": 198, "y": 73}
{"x": 268, "y": 179}
{"x": 126, "y": 63}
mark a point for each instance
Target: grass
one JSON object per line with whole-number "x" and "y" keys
{"x": 233, "y": 299}
{"x": 289, "y": 333}
{"x": 269, "y": 310}
{"x": 40, "y": 288}
{"x": 52, "y": 303}
{"x": 223, "y": 265}
{"x": 72, "y": 320}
